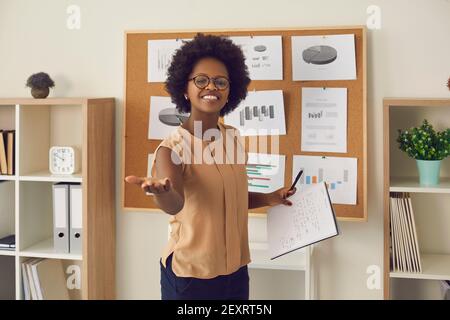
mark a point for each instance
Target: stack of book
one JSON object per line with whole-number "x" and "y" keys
{"x": 405, "y": 254}
{"x": 8, "y": 243}
{"x": 44, "y": 279}
{"x": 7, "y": 156}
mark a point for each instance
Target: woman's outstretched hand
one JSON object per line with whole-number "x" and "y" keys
{"x": 280, "y": 196}
{"x": 152, "y": 185}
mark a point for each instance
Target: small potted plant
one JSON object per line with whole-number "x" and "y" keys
{"x": 428, "y": 147}
{"x": 40, "y": 84}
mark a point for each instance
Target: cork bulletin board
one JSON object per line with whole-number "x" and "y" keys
{"x": 137, "y": 146}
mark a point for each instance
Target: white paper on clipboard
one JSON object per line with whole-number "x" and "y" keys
{"x": 310, "y": 219}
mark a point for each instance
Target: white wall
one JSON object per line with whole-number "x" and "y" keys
{"x": 408, "y": 56}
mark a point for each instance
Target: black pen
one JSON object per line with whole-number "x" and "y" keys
{"x": 296, "y": 180}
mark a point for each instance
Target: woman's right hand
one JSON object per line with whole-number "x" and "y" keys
{"x": 152, "y": 185}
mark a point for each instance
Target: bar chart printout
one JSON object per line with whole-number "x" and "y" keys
{"x": 261, "y": 113}
{"x": 339, "y": 175}
{"x": 265, "y": 172}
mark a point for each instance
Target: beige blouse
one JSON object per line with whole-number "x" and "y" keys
{"x": 209, "y": 236}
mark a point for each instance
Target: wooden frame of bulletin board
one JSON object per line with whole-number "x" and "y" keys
{"x": 137, "y": 146}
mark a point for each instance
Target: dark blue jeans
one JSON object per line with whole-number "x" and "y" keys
{"x": 234, "y": 286}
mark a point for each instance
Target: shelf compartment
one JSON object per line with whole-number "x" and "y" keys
{"x": 8, "y": 278}
{"x": 72, "y": 271}
{"x": 44, "y": 249}
{"x": 36, "y": 222}
{"x": 7, "y": 212}
{"x": 260, "y": 257}
{"x": 405, "y": 117}
{"x": 415, "y": 289}
{"x": 411, "y": 184}
{"x": 434, "y": 267}
{"x": 35, "y": 213}
{"x": 45, "y": 126}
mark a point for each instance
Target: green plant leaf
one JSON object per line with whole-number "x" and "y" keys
{"x": 424, "y": 143}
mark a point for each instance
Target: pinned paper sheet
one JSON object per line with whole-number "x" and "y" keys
{"x": 159, "y": 57}
{"x": 263, "y": 56}
{"x": 164, "y": 118}
{"x": 324, "y": 119}
{"x": 339, "y": 174}
{"x": 265, "y": 172}
{"x": 261, "y": 113}
{"x": 328, "y": 57}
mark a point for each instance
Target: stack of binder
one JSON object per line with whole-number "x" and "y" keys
{"x": 67, "y": 218}
{"x": 405, "y": 252}
{"x": 8, "y": 242}
{"x": 44, "y": 279}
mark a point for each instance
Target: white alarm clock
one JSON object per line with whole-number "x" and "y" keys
{"x": 63, "y": 160}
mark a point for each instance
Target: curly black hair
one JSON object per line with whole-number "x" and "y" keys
{"x": 207, "y": 46}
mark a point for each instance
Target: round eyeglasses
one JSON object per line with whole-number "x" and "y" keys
{"x": 201, "y": 81}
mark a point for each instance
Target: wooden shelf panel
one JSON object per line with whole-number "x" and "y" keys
{"x": 44, "y": 249}
{"x": 48, "y": 177}
{"x": 54, "y": 101}
{"x": 416, "y": 102}
{"x": 434, "y": 267}
{"x": 259, "y": 254}
{"x": 44, "y": 102}
{"x": 411, "y": 184}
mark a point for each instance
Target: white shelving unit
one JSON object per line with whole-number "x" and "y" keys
{"x": 430, "y": 204}
{"x": 39, "y": 124}
{"x": 261, "y": 259}
{"x": 299, "y": 260}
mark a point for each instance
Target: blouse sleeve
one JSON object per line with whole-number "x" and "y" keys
{"x": 177, "y": 153}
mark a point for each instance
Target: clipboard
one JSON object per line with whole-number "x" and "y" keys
{"x": 310, "y": 219}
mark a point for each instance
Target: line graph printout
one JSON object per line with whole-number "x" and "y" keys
{"x": 310, "y": 219}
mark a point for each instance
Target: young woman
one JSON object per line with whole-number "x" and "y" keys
{"x": 201, "y": 183}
